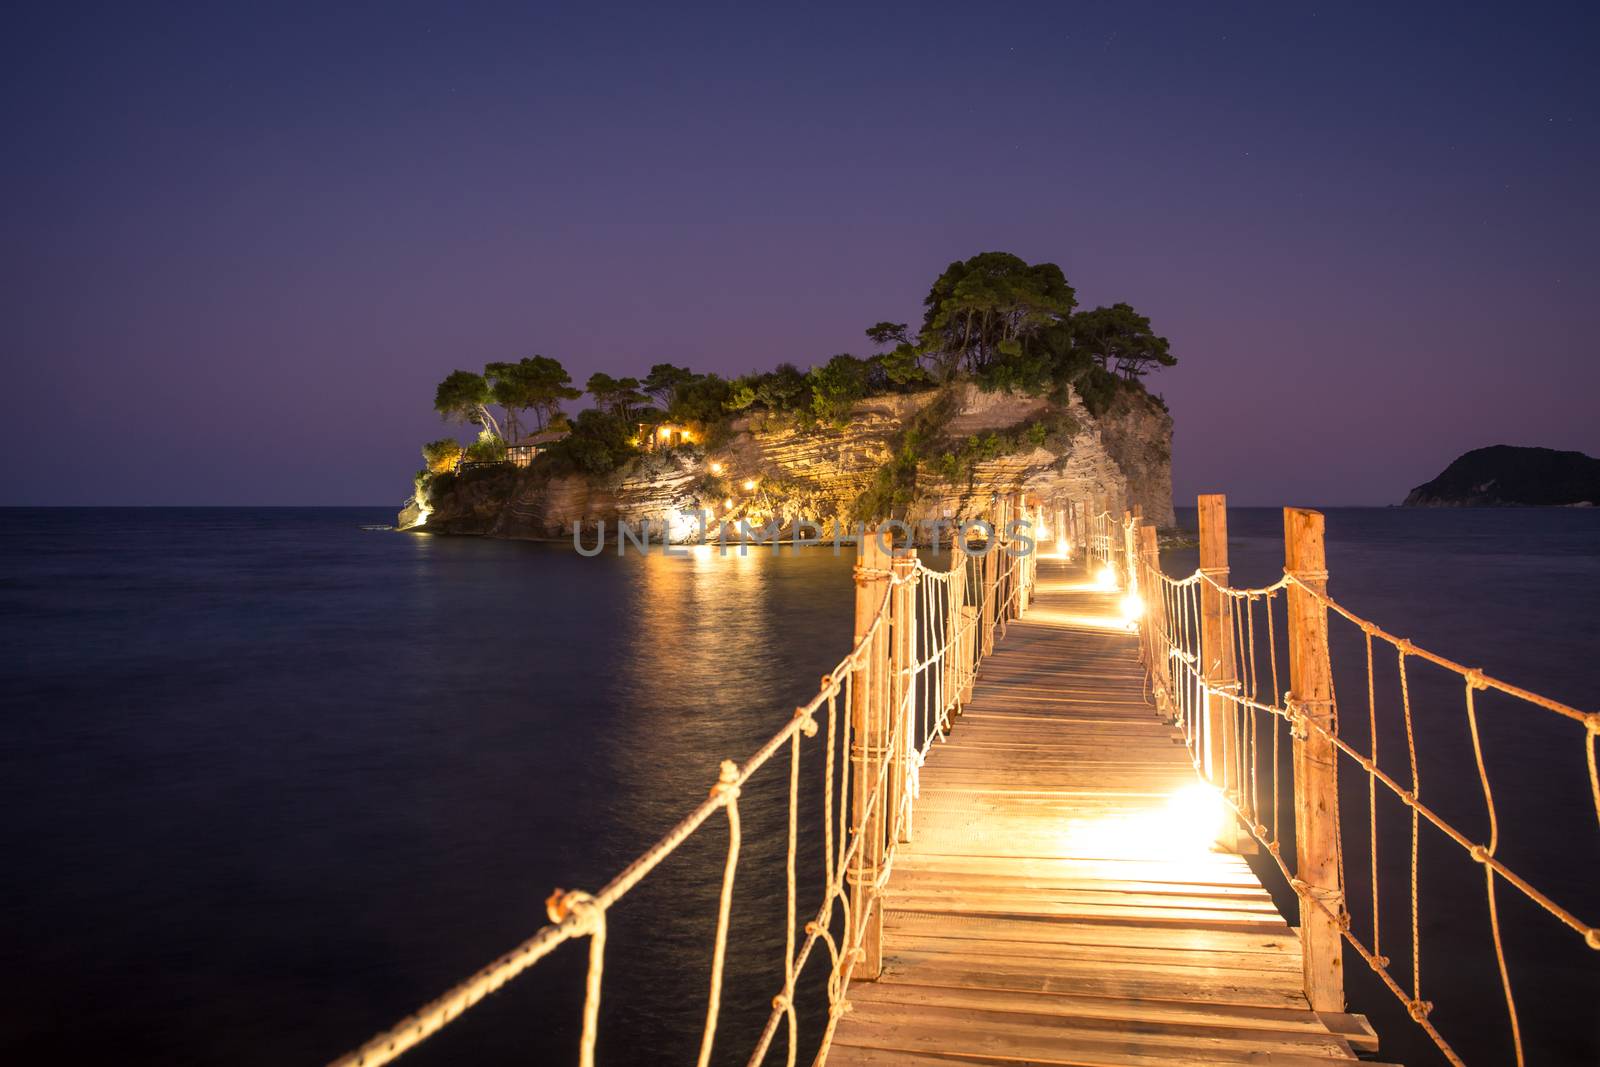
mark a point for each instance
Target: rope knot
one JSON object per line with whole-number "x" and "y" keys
{"x": 811, "y": 928}
{"x": 572, "y": 903}
{"x": 1419, "y": 1009}
{"x": 780, "y": 1003}
{"x": 1592, "y": 722}
{"x": 1380, "y": 961}
{"x": 728, "y": 781}
{"x": 1479, "y": 853}
{"x": 1404, "y": 646}
{"x": 1592, "y": 938}
{"x": 1476, "y": 679}
{"x": 808, "y": 724}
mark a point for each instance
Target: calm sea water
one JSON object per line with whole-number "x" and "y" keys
{"x": 271, "y": 781}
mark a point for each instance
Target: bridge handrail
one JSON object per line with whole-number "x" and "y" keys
{"x": 961, "y": 611}
{"x": 1191, "y": 679}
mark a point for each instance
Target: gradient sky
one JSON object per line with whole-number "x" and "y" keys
{"x": 241, "y": 243}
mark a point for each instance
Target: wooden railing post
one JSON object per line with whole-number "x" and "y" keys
{"x": 866, "y": 755}
{"x": 990, "y": 606}
{"x": 1217, "y": 660}
{"x": 1126, "y": 546}
{"x": 1155, "y": 611}
{"x": 1012, "y": 564}
{"x": 903, "y": 714}
{"x": 1216, "y": 646}
{"x": 1032, "y": 514}
{"x": 1315, "y": 773}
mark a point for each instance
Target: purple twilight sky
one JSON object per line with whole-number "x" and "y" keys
{"x": 242, "y": 242}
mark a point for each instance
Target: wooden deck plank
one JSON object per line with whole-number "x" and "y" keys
{"x": 1031, "y": 920}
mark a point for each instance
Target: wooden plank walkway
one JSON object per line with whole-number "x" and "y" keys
{"x": 1049, "y": 909}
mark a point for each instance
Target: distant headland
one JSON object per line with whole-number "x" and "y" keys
{"x": 1509, "y": 476}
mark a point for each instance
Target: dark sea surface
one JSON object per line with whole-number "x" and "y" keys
{"x": 271, "y": 781}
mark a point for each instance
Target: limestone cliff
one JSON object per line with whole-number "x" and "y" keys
{"x": 820, "y": 474}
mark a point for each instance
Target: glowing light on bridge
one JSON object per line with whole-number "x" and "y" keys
{"x": 1198, "y": 816}
{"x": 1187, "y": 823}
{"x": 1132, "y": 608}
{"x": 1106, "y": 577}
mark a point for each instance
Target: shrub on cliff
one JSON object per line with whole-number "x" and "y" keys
{"x": 599, "y": 442}
{"x": 441, "y": 455}
{"x": 836, "y": 386}
{"x": 487, "y": 450}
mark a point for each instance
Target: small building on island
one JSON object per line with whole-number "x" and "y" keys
{"x": 522, "y": 452}
{"x": 656, "y": 437}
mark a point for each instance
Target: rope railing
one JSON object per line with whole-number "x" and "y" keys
{"x": 1213, "y": 654}
{"x": 920, "y": 636}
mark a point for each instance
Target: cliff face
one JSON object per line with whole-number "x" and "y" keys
{"x": 1507, "y": 476}
{"x": 818, "y": 475}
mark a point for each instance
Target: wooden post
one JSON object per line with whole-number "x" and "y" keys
{"x": 985, "y": 604}
{"x": 1216, "y": 646}
{"x": 1315, "y": 773}
{"x": 1008, "y": 562}
{"x": 866, "y": 755}
{"x": 1034, "y": 515}
{"x": 903, "y": 713}
{"x": 969, "y": 632}
{"x": 1124, "y": 536}
{"x": 1155, "y": 609}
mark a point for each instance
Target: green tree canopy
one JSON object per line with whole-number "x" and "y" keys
{"x": 618, "y": 396}
{"x": 663, "y": 381}
{"x": 535, "y": 384}
{"x": 465, "y": 397}
{"x": 992, "y": 309}
{"x": 599, "y": 442}
{"x": 783, "y": 389}
{"x": 1120, "y": 341}
{"x": 700, "y": 399}
{"x": 836, "y": 385}
{"x": 884, "y": 334}
{"x": 441, "y": 455}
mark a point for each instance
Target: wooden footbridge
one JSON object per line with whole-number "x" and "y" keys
{"x": 1054, "y": 905}
{"x": 1042, "y": 772}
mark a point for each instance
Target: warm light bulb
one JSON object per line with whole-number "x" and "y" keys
{"x": 749, "y": 484}
{"x": 665, "y": 433}
{"x": 728, "y": 503}
{"x": 1107, "y": 577}
{"x": 716, "y": 468}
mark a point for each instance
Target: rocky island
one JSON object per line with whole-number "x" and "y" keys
{"x": 767, "y": 469}
{"x": 1006, "y": 387}
{"x": 1510, "y": 476}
